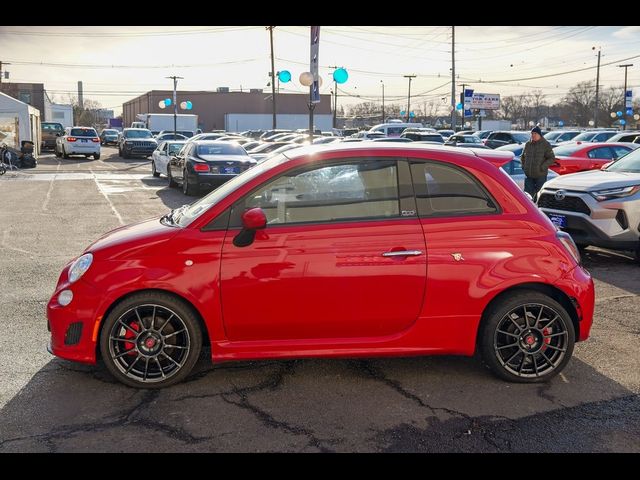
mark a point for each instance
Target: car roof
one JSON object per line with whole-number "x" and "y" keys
{"x": 493, "y": 156}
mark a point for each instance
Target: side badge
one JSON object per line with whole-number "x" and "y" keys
{"x": 457, "y": 256}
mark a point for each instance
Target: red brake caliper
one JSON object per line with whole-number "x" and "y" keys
{"x": 129, "y": 334}
{"x": 546, "y": 331}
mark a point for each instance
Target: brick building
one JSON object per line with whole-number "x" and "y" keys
{"x": 211, "y": 107}
{"x": 30, "y": 93}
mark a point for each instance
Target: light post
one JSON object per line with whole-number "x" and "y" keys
{"x": 186, "y": 105}
{"x": 624, "y": 94}
{"x": 340, "y": 76}
{"x": 595, "y": 109}
{"x": 410, "y": 77}
{"x": 382, "y": 100}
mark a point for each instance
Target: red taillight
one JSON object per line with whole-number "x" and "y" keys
{"x": 71, "y": 139}
{"x": 200, "y": 167}
{"x": 95, "y": 140}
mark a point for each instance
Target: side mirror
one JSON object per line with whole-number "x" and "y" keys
{"x": 252, "y": 220}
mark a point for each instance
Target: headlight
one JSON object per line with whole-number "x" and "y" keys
{"x": 610, "y": 193}
{"x": 80, "y": 266}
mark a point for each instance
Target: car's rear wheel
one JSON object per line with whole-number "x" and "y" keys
{"x": 172, "y": 182}
{"x": 150, "y": 340}
{"x": 190, "y": 190}
{"x": 526, "y": 337}
{"x": 64, "y": 153}
{"x": 96, "y": 156}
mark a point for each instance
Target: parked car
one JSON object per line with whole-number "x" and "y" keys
{"x": 392, "y": 139}
{"x": 262, "y": 151}
{"x": 109, "y": 136}
{"x": 499, "y": 138}
{"x": 184, "y": 133}
{"x": 624, "y": 137}
{"x": 425, "y": 136}
{"x": 594, "y": 136}
{"x": 483, "y": 134}
{"x": 50, "y": 131}
{"x": 558, "y": 136}
{"x": 169, "y": 136}
{"x": 162, "y": 155}
{"x": 462, "y": 138}
{"x": 373, "y": 249}
{"x": 576, "y": 157}
{"x": 515, "y": 148}
{"x": 136, "y": 142}
{"x": 446, "y": 133}
{"x": 78, "y": 141}
{"x": 598, "y": 207}
{"x": 207, "y": 164}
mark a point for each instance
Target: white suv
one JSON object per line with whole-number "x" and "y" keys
{"x": 78, "y": 141}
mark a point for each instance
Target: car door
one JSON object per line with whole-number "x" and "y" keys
{"x": 597, "y": 157}
{"x": 161, "y": 158}
{"x": 342, "y": 256}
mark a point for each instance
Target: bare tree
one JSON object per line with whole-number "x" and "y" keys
{"x": 580, "y": 101}
{"x": 610, "y": 100}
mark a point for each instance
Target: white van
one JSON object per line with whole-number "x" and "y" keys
{"x": 393, "y": 129}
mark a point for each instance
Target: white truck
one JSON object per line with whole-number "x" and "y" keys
{"x": 157, "y": 122}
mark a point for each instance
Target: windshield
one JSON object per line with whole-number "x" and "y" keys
{"x": 227, "y": 148}
{"x": 584, "y": 137}
{"x": 567, "y": 150}
{"x": 110, "y": 132}
{"x": 522, "y": 137}
{"x": 137, "y": 133}
{"x": 629, "y": 163}
{"x": 83, "y": 132}
{"x": 552, "y": 135}
{"x": 193, "y": 211}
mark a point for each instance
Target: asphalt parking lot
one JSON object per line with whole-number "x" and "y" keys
{"x": 435, "y": 404}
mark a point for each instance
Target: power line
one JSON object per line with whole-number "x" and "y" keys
{"x": 68, "y": 34}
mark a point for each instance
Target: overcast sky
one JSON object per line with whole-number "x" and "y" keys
{"x": 117, "y": 64}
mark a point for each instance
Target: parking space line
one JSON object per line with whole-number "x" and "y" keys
{"x": 15, "y": 249}
{"x": 104, "y": 194}
{"x": 45, "y": 204}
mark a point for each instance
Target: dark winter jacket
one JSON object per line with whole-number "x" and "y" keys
{"x": 536, "y": 158}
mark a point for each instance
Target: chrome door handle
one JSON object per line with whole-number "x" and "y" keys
{"x": 403, "y": 253}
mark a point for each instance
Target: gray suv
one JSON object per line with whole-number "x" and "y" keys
{"x": 136, "y": 142}
{"x": 598, "y": 207}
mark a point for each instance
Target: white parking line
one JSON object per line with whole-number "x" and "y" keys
{"x": 45, "y": 204}
{"x": 104, "y": 194}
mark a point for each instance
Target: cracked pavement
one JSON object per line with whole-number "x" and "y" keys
{"x": 418, "y": 404}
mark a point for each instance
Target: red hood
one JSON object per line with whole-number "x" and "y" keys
{"x": 131, "y": 239}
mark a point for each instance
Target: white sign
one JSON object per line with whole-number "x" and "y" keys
{"x": 487, "y": 101}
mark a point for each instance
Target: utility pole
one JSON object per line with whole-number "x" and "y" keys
{"x": 335, "y": 102}
{"x": 382, "y": 82}
{"x": 595, "y": 109}
{"x": 1, "y": 72}
{"x": 410, "y": 77}
{"x": 453, "y": 78}
{"x": 175, "y": 104}
{"x": 624, "y": 92}
{"x": 273, "y": 77}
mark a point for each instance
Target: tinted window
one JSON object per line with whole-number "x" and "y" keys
{"x": 603, "y": 153}
{"x": 52, "y": 126}
{"x": 521, "y": 137}
{"x": 394, "y": 131}
{"x": 443, "y": 190}
{"x": 355, "y": 190}
{"x": 620, "y": 151}
{"x": 83, "y": 132}
{"x": 221, "y": 149}
{"x": 601, "y": 137}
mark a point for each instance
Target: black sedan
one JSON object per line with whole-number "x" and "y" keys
{"x": 207, "y": 164}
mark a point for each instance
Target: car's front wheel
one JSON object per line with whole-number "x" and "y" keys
{"x": 154, "y": 171}
{"x": 526, "y": 337}
{"x": 150, "y": 340}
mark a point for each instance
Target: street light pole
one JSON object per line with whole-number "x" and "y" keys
{"x": 624, "y": 92}
{"x": 175, "y": 104}
{"x": 382, "y": 100}
{"x": 453, "y": 78}
{"x": 410, "y": 77}
{"x": 335, "y": 102}
{"x": 595, "y": 109}
{"x": 273, "y": 78}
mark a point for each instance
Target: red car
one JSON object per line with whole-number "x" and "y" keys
{"x": 366, "y": 249}
{"x": 575, "y": 157}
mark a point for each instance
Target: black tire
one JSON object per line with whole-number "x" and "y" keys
{"x": 154, "y": 172}
{"x": 96, "y": 156}
{"x": 548, "y": 331}
{"x": 189, "y": 190}
{"x": 136, "y": 321}
{"x": 638, "y": 254}
{"x": 172, "y": 182}
{"x": 64, "y": 153}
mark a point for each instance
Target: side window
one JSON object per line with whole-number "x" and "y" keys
{"x": 365, "y": 189}
{"x": 444, "y": 190}
{"x": 503, "y": 137}
{"x": 602, "y": 153}
{"x": 516, "y": 167}
{"x": 394, "y": 131}
{"x": 619, "y": 151}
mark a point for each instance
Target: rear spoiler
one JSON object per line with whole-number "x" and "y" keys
{"x": 498, "y": 158}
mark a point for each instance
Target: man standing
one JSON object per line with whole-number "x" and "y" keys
{"x": 537, "y": 156}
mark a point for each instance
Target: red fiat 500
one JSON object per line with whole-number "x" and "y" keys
{"x": 364, "y": 249}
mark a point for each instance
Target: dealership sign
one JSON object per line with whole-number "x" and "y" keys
{"x": 487, "y": 101}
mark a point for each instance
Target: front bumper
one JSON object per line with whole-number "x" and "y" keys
{"x": 74, "y": 327}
